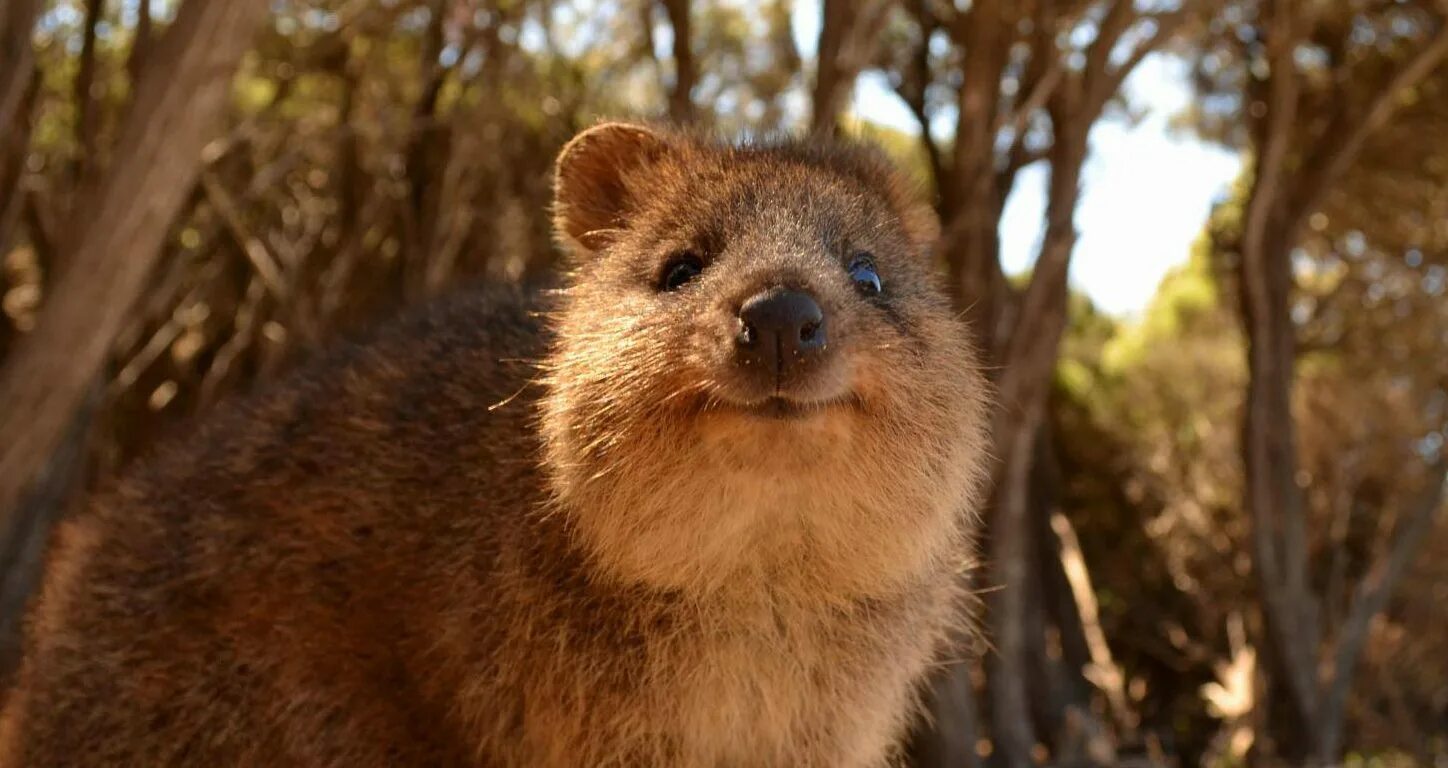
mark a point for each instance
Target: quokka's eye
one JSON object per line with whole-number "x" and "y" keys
{"x": 680, "y": 270}
{"x": 862, "y": 272}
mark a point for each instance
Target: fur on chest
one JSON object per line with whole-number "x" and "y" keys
{"x": 787, "y": 687}
{"x": 760, "y": 677}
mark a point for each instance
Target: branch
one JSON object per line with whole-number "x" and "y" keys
{"x": 159, "y": 342}
{"x": 1335, "y": 155}
{"x": 255, "y": 250}
{"x": 17, "y": 55}
{"x": 1167, "y": 25}
{"x": 245, "y": 325}
{"x": 141, "y": 46}
{"x": 1020, "y": 117}
{"x": 916, "y": 99}
{"x": 1103, "y": 671}
{"x": 1372, "y": 593}
{"x": 1276, "y": 137}
{"x": 1045, "y": 84}
{"x": 87, "y": 120}
{"x": 979, "y": 32}
{"x": 933, "y": 157}
{"x": 681, "y": 105}
{"x": 849, "y": 34}
{"x": 1118, "y": 19}
{"x": 115, "y": 238}
{"x": 1019, "y": 157}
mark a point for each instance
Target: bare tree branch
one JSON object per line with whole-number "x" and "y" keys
{"x": 116, "y": 241}
{"x": 1278, "y": 535}
{"x": 14, "y": 145}
{"x": 913, "y": 90}
{"x": 846, "y": 43}
{"x": 266, "y": 265}
{"x": 1371, "y": 598}
{"x": 1114, "y": 24}
{"x": 17, "y": 55}
{"x": 1344, "y": 140}
{"x": 141, "y": 46}
{"x": 1105, "y": 673}
{"x": 1167, "y": 25}
{"x": 87, "y": 120}
{"x": 681, "y": 102}
{"x": 1020, "y": 117}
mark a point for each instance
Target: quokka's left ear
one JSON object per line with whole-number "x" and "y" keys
{"x": 592, "y": 196}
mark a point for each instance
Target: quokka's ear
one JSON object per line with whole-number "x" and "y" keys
{"x": 591, "y": 193}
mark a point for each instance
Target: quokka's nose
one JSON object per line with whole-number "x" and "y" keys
{"x": 782, "y": 330}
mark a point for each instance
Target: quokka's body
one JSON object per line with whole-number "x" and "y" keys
{"x": 703, "y": 506}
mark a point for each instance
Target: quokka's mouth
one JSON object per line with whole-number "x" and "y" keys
{"x": 786, "y": 409}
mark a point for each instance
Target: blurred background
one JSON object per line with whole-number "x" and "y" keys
{"x": 1204, "y": 244}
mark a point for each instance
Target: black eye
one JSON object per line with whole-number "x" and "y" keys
{"x": 680, "y": 270}
{"x": 862, "y": 271}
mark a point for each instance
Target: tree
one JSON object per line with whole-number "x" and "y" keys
{"x": 17, "y": 58}
{"x": 848, "y": 35}
{"x": 1040, "y": 104}
{"x": 115, "y": 243}
{"x": 17, "y": 88}
{"x": 1305, "y": 135}
{"x": 376, "y": 153}
{"x": 681, "y": 103}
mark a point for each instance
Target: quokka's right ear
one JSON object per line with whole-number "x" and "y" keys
{"x": 592, "y": 194}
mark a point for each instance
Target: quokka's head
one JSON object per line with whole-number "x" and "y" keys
{"x": 756, "y": 372}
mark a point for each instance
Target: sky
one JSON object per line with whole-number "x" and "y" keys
{"x": 1146, "y": 190}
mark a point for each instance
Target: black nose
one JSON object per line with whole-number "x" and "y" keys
{"x": 782, "y": 330}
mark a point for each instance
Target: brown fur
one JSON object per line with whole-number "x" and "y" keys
{"x": 534, "y": 529}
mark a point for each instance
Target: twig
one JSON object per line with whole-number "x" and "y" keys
{"x": 256, "y": 251}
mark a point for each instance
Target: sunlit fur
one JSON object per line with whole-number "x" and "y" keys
{"x": 676, "y": 486}
{"x": 522, "y": 529}
{"x": 780, "y": 528}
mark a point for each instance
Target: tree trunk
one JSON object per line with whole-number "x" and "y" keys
{"x": 948, "y": 740}
{"x": 17, "y": 54}
{"x": 1274, "y": 502}
{"x": 828, "y": 95}
{"x": 1310, "y": 703}
{"x": 1012, "y": 727}
{"x": 87, "y": 121}
{"x": 38, "y": 512}
{"x": 429, "y": 148}
{"x": 1024, "y": 387}
{"x": 1058, "y": 687}
{"x": 142, "y": 44}
{"x": 1370, "y": 598}
{"x": 1291, "y": 176}
{"x": 115, "y": 237}
{"x": 847, "y": 37}
{"x": 681, "y": 102}
{"x": 14, "y": 145}
{"x": 971, "y": 244}
{"x": 973, "y": 202}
